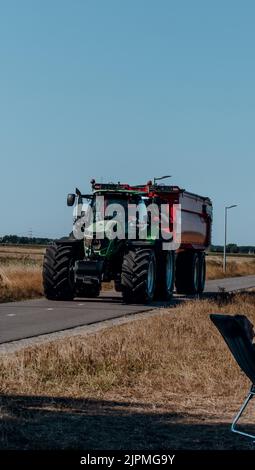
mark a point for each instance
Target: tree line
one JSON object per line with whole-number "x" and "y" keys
{"x": 17, "y": 240}
{"x": 233, "y": 248}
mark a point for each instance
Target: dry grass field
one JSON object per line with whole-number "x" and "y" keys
{"x": 236, "y": 266}
{"x": 167, "y": 382}
{"x": 21, "y": 268}
{"x": 20, "y": 273}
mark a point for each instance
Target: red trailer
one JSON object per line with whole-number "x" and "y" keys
{"x": 196, "y": 215}
{"x": 194, "y": 227}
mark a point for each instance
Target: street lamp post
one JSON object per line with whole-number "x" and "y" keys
{"x": 225, "y": 241}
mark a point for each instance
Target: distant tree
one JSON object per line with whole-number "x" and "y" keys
{"x": 232, "y": 248}
{"x": 247, "y": 249}
{"x": 216, "y": 249}
{"x": 16, "y": 240}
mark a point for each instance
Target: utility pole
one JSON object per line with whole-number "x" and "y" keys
{"x": 225, "y": 236}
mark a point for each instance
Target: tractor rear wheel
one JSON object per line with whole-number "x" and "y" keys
{"x": 165, "y": 275}
{"x": 58, "y": 276}
{"x": 138, "y": 276}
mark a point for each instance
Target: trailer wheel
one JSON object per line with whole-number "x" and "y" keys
{"x": 165, "y": 275}
{"x": 202, "y": 273}
{"x": 138, "y": 276}
{"x": 58, "y": 277}
{"x": 187, "y": 273}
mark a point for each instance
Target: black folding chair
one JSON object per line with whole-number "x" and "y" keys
{"x": 233, "y": 331}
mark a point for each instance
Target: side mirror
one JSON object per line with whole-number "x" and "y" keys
{"x": 70, "y": 199}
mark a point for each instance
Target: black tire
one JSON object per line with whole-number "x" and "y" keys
{"x": 187, "y": 273}
{"x": 117, "y": 286}
{"x": 58, "y": 278}
{"x": 138, "y": 276}
{"x": 165, "y": 275}
{"x": 89, "y": 291}
{"x": 202, "y": 273}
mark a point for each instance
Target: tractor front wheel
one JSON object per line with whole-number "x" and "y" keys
{"x": 58, "y": 275}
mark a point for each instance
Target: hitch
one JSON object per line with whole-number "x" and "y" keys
{"x": 88, "y": 271}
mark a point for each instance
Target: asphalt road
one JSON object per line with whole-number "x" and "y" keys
{"x": 19, "y": 320}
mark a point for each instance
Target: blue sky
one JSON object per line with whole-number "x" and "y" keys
{"x": 125, "y": 90}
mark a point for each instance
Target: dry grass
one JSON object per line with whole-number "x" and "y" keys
{"x": 174, "y": 365}
{"x": 21, "y": 253}
{"x": 20, "y": 272}
{"x": 235, "y": 267}
{"x": 20, "y": 281}
{"x": 179, "y": 349}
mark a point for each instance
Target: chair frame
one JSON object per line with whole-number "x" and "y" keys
{"x": 243, "y": 353}
{"x": 247, "y": 400}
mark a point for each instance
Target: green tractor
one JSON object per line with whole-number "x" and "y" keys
{"x": 99, "y": 249}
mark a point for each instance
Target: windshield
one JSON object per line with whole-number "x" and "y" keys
{"x": 106, "y": 207}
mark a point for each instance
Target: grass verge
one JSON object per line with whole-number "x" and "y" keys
{"x": 20, "y": 281}
{"x": 173, "y": 372}
{"x": 235, "y": 267}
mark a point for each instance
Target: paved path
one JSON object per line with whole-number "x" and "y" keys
{"x": 230, "y": 284}
{"x": 31, "y": 318}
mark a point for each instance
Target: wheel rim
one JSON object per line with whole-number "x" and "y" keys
{"x": 151, "y": 277}
{"x": 203, "y": 274}
{"x": 169, "y": 272}
{"x": 196, "y": 274}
